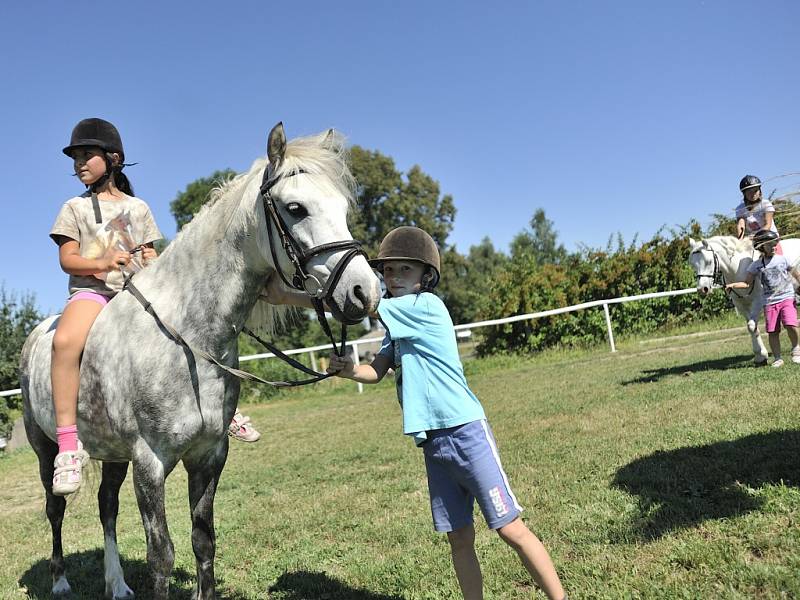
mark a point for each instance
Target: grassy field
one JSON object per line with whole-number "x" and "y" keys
{"x": 668, "y": 470}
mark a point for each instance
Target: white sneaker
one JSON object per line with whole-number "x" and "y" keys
{"x": 778, "y": 362}
{"x": 67, "y": 475}
{"x": 796, "y": 354}
{"x": 241, "y": 429}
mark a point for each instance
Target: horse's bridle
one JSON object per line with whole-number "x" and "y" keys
{"x": 717, "y": 276}
{"x": 301, "y": 280}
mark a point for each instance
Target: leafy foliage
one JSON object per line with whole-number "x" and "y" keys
{"x": 525, "y": 286}
{"x": 18, "y": 317}
{"x": 387, "y": 198}
{"x": 466, "y": 280}
{"x": 188, "y": 202}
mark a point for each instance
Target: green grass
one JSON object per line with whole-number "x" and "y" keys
{"x": 670, "y": 469}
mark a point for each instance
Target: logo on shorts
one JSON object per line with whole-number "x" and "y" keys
{"x": 500, "y": 506}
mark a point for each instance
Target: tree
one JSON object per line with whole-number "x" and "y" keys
{"x": 540, "y": 241}
{"x": 467, "y": 280}
{"x": 386, "y": 198}
{"x": 18, "y": 317}
{"x": 192, "y": 199}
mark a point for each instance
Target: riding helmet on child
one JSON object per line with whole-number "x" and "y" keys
{"x": 98, "y": 133}
{"x": 410, "y": 243}
{"x": 764, "y": 237}
{"x": 749, "y": 182}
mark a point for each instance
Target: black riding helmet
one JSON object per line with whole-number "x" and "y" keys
{"x": 763, "y": 237}
{"x": 96, "y": 132}
{"x": 409, "y": 243}
{"x": 748, "y": 182}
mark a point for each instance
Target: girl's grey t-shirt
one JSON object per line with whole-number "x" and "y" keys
{"x": 126, "y": 224}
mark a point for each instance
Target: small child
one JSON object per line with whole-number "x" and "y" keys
{"x": 440, "y": 412}
{"x": 101, "y": 235}
{"x": 755, "y": 212}
{"x": 775, "y": 273}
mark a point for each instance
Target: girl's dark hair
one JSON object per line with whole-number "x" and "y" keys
{"x": 120, "y": 179}
{"x": 122, "y": 182}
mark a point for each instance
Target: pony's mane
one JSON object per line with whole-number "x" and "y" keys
{"x": 731, "y": 244}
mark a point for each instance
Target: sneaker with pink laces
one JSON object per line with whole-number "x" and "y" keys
{"x": 241, "y": 429}
{"x": 67, "y": 475}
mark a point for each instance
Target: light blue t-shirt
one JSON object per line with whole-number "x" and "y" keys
{"x": 421, "y": 343}
{"x": 776, "y": 278}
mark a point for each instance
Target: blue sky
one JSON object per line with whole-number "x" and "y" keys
{"x": 612, "y": 116}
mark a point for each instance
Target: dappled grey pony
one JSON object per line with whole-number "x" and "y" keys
{"x": 147, "y": 399}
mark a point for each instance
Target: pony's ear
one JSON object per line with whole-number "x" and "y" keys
{"x": 693, "y": 244}
{"x": 327, "y": 141}
{"x": 276, "y": 144}
{"x": 705, "y": 243}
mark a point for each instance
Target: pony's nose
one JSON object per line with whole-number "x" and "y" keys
{"x": 705, "y": 290}
{"x": 356, "y": 304}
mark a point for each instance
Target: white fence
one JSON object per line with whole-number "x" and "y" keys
{"x": 465, "y": 330}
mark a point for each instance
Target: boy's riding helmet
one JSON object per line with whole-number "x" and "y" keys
{"x": 764, "y": 237}
{"x": 409, "y": 243}
{"x": 96, "y": 132}
{"x": 748, "y": 182}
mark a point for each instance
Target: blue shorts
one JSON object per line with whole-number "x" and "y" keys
{"x": 463, "y": 466}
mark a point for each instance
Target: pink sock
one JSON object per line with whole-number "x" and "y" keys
{"x": 67, "y": 438}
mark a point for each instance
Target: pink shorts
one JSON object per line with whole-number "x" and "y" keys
{"x": 93, "y": 296}
{"x": 780, "y": 312}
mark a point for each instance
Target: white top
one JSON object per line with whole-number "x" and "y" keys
{"x": 756, "y": 218}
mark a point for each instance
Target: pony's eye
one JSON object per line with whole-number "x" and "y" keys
{"x": 296, "y": 210}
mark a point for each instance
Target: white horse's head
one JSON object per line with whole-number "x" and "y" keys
{"x": 309, "y": 190}
{"x": 705, "y": 264}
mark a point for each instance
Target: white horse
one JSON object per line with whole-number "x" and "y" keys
{"x": 144, "y": 397}
{"x": 724, "y": 259}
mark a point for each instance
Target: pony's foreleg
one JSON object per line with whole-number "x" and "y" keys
{"x": 204, "y": 473}
{"x": 759, "y": 349}
{"x": 108, "y": 500}
{"x": 149, "y": 474}
{"x": 46, "y": 451}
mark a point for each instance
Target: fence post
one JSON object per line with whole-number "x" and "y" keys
{"x": 608, "y": 327}
{"x": 356, "y": 363}
{"x": 314, "y": 360}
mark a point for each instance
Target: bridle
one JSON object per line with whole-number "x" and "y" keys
{"x": 717, "y": 276}
{"x": 301, "y": 280}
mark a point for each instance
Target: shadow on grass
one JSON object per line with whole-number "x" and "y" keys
{"x": 684, "y": 487}
{"x": 721, "y": 364}
{"x": 84, "y": 571}
{"x": 308, "y": 585}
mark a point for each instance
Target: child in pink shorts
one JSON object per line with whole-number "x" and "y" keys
{"x": 775, "y": 274}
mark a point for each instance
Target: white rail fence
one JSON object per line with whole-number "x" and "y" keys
{"x": 465, "y": 330}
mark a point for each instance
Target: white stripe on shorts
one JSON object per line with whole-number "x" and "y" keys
{"x": 496, "y": 455}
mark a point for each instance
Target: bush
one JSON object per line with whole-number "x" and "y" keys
{"x": 17, "y": 318}
{"x": 525, "y": 287}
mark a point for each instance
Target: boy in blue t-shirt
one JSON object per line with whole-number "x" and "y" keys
{"x": 440, "y": 412}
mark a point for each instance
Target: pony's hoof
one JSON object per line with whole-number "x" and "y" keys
{"x": 760, "y": 362}
{"x": 61, "y": 588}
{"x": 120, "y": 592}
{"x": 751, "y": 326}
